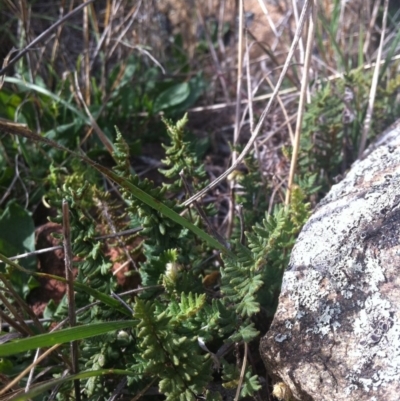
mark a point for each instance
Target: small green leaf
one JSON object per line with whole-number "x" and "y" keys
{"x": 245, "y": 334}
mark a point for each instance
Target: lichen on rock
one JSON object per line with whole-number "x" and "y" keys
{"x": 336, "y": 333}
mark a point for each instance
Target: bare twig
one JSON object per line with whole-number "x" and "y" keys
{"x": 238, "y": 124}
{"x": 371, "y": 26}
{"x": 121, "y": 242}
{"x": 213, "y": 53}
{"x": 200, "y": 211}
{"x": 17, "y": 300}
{"x": 120, "y": 233}
{"x": 20, "y": 327}
{"x": 132, "y": 15}
{"x": 239, "y": 209}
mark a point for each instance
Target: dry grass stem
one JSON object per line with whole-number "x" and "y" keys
{"x": 374, "y": 84}
{"x": 69, "y": 276}
{"x": 44, "y": 35}
{"x": 264, "y": 114}
{"x": 15, "y": 381}
{"x": 102, "y": 136}
{"x": 242, "y": 372}
{"x": 303, "y": 96}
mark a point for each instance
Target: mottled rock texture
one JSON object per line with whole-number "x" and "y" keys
{"x": 336, "y": 333}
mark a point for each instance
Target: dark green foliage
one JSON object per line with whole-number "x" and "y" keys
{"x": 333, "y": 123}
{"x": 175, "y": 359}
{"x": 175, "y": 311}
{"x": 253, "y": 279}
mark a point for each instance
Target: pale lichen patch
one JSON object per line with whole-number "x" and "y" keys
{"x": 341, "y": 290}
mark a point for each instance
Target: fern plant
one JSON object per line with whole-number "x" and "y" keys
{"x": 177, "y": 314}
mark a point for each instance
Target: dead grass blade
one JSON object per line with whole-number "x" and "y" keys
{"x": 264, "y": 114}
{"x": 374, "y": 85}
{"x": 102, "y": 136}
{"x": 5, "y": 64}
{"x": 43, "y": 36}
{"x": 303, "y": 97}
{"x": 28, "y": 369}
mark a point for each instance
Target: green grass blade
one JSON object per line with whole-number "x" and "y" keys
{"x": 43, "y": 91}
{"x": 62, "y": 336}
{"x": 40, "y": 388}
{"x": 157, "y": 205}
{"x": 137, "y": 192}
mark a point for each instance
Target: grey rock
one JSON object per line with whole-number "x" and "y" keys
{"x": 336, "y": 333}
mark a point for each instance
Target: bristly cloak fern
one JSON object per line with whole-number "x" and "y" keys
{"x": 179, "y": 311}
{"x": 252, "y": 280}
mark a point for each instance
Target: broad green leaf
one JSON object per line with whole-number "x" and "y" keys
{"x": 172, "y": 97}
{"x": 62, "y": 336}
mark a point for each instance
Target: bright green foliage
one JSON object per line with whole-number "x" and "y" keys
{"x": 180, "y": 157}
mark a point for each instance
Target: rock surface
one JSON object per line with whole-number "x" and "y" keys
{"x": 336, "y": 333}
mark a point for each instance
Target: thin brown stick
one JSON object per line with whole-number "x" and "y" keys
{"x": 86, "y": 61}
{"x": 213, "y": 53}
{"x": 69, "y": 276}
{"x": 284, "y": 111}
{"x": 17, "y": 300}
{"x": 211, "y": 230}
{"x": 20, "y": 328}
{"x": 303, "y": 97}
{"x": 55, "y": 248}
{"x": 242, "y": 372}
{"x": 121, "y": 242}
{"x": 371, "y": 25}
{"x": 374, "y": 84}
